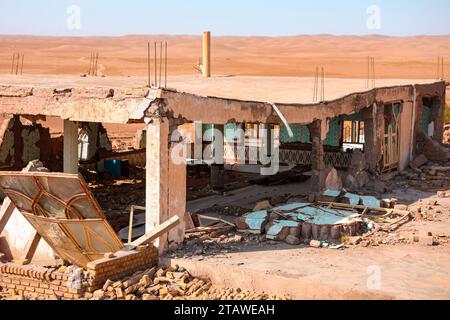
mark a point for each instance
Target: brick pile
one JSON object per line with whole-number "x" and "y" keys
{"x": 71, "y": 282}
{"x": 120, "y": 264}
{"x": 38, "y": 282}
{"x": 172, "y": 283}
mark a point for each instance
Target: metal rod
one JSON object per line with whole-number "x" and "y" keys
{"x": 439, "y": 67}
{"x": 12, "y": 64}
{"x": 316, "y": 83}
{"x": 130, "y": 225}
{"x": 90, "y": 62}
{"x": 373, "y": 72}
{"x": 96, "y": 65}
{"x": 148, "y": 64}
{"x": 165, "y": 67}
{"x": 21, "y": 65}
{"x": 323, "y": 85}
{"x": 93, "y": 64}
{"x": 314, "y": 86}
{"x": 17, "y": 63}
{"x": 368, "y": 72}
{"x": 156, "y": 70}
{"x": 160, "y": 62}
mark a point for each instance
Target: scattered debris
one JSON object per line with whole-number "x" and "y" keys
{"x": 262, "y": 205}
{"x": 315, "y": 243}
{"x": 294, "y": 221}
{"x": 418, "y": 161}
{"x": 172, "y": 283}
{"x": 333, "y": 181}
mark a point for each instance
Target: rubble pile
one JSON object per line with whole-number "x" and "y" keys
{"x": 423, "y": 175}
{"x": 211, "y": 243}
{"x": 447, "y": 134}
{"x": 115, "y": 196}
{"x": 172, "y": 283}
{"x": 427, "y": 210}
{"x": 380, "y": 238}
{"x": 225, "y": 210}
{"x": 299, "y": 222}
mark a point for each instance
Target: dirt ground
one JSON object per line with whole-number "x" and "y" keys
{"x": 403, "y": 258}
{"x": 418, "y": 249}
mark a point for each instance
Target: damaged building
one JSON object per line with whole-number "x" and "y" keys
{"x": 347, "y": 140}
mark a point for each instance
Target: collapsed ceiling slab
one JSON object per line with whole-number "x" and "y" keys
{"x": 218, "y": 101}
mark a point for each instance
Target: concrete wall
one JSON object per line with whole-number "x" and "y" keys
{"x": 17, "y": 234}
{"x": 406, "y": 121}
{"x": 22, "y": 143}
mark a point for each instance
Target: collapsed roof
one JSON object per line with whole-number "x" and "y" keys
{"x": 212, "y": 100}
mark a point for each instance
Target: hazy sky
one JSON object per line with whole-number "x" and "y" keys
{"x": 224, "y": 17}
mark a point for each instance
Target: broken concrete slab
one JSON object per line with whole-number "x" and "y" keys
{"x": 418, "y": 161}
{"x": 315, "y": 244}
{"x": 262, "y": 205}
{"x": 333, "y": 180}
{"x": 280, "y": 229}
{"x": 292, "y": 240}
{"x": 253, "y": 222}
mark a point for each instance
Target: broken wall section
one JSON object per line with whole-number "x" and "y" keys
{"x": 92, "y": 141}
{"x": 21, "y": 143}
{"x": 73, "y": 282}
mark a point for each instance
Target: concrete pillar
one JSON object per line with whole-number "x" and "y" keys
{"x": 217, "y": 178}
{"x": 266, "y": 149}
{"x": 217, "y": 167}
{"x": 317, "y": 157}
{"x": 267, "y": 137}
{"x": 379, "y": 137}
{"x": 240, "y": 144}
{"x": 165, "y": 184}
{"x": 198, "y": 142}
{"x": 206, "y": 54}
{"x": 438, "y": 116}
{"x": 70, "y": 146}
{"x": 88, "y": 140}
{"x": 405, "y": 135}
{"x": 417, "y": 122}
{"x": 374, "y": 134}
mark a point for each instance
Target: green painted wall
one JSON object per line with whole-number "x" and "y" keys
{"x": 301, "y": 134}
{"x": 332, "y": 138}
{"x": 426, "y": 115}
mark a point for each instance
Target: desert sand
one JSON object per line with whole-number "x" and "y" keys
{"x": 293, "y": 56}
{"x": 341, "y": 56}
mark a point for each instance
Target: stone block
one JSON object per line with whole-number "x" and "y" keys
{"x": 292, "y": 240}
{"x": 315, "y": 244}
{"x": 254, "y": 221}
{"x": 418, "y": 161}
{"x": 262, "y": 205}
{"x": 280, "y": 229}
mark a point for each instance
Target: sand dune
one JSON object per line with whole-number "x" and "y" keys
{"x": 341, "y": 56}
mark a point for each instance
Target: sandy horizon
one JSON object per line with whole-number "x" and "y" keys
{"x": 410, "y": 57}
